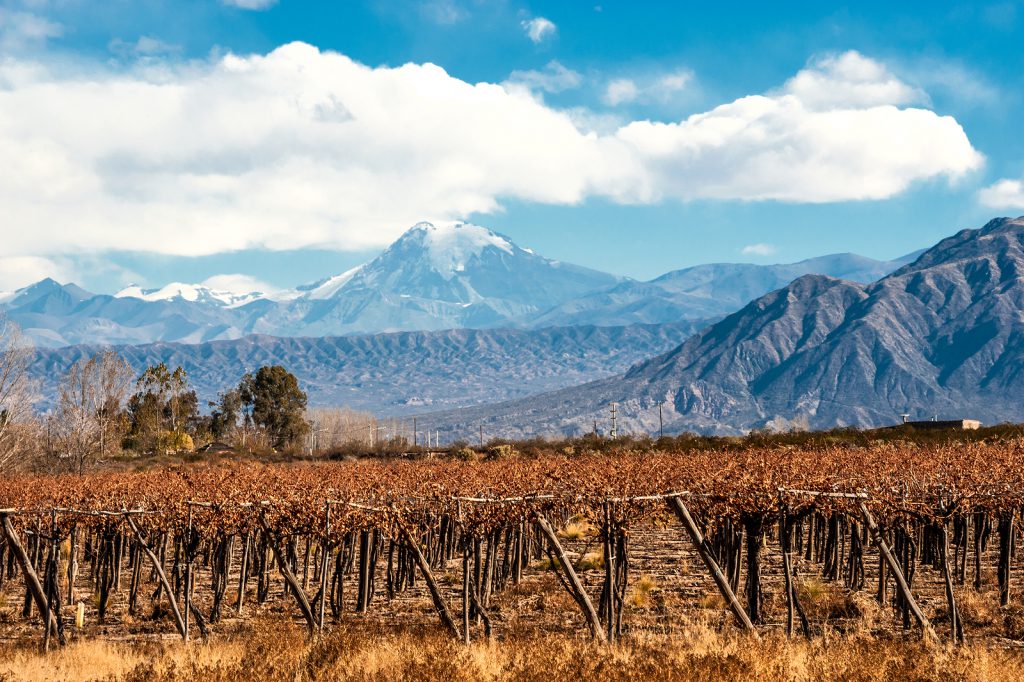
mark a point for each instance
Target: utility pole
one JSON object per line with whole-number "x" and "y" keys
{"x": 615, "y": 432}
{"x": 661, "y": 421}
{"x": 414, "y": 432}
{"x": 481, "y": 435}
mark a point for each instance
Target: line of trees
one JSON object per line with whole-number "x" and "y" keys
{"x": 102, "y": 407}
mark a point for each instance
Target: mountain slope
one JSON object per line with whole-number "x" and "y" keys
{"x": 706, "y": 291}
{"x": 436, "y": 276}
{"x": 402, "y": 372}
{"x": 943, "y": 336}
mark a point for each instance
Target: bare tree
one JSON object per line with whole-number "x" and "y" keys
{"x": 90, "y": 416}
{"x": 17, "y": 391}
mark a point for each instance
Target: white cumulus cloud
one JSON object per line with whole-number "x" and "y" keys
{"x": 238, "y": 283}
{"x": 554, "y": 77}
{"x": 301, "y": 147}
{"x": 1005, "y": 194}
{"x": 620, "y": 90}
{"x": 759, "y": 250}
{"x": 21, "y": 30}
{"x": 18, "y": 271}
{"x": 250, "y": 4}
{"x": 658, "y": 87}
{"x": 850, "y": 79}
{"x": 539, "y": 28}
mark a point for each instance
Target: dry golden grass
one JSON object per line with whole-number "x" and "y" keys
{"x": 642, "y": 594}
{"x": 591, "y": 561}
{"x": 577, "y": 528}
{"x": 272, "y": 651}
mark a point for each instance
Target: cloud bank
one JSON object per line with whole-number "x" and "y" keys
{"x": 1004, "y": 194}
{"x": 302, "y": 147}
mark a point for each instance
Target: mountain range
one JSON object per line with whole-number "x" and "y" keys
{"x": 941, "y": 336}
{"x": 399, "y": 373}
{"x": 437, "y": 276}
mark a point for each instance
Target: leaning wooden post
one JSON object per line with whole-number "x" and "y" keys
{"x": 179, "y": 622}
{"x": 293, "y": 582}
{"x": 323, "y": 569}
{"x": 573, "y": 580}
{"x": 897, "y": 573}
{"x": 31, "y": 579}
{"x": 435, "y": 592}
{"x": 704, "y": 550}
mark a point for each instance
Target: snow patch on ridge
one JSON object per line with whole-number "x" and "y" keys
{"x": 188, "y": 292}
{"x": 330, "y": 286}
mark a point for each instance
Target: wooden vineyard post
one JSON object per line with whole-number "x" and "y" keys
{"x": 786, "y": 569}
{"x": 324, "y": 561}
{"x": 465, "y": 590}
{"x": 31, "y": 579}
{"x": 955, "y": 623}
{"x": 609, "y": 573}
{"x": 72, "y": 564}
{"x": 1006, "y": 549}
{"x": 178, "y": 620}
{"x": 243, "y": 573}
{"x": 435, "y": 592}
{"x": 293, "y": 582}
{"x": 188, "y": 573}
{"x": 792, "y": 600}
{"x": 573, "y": 580}
{"x": 704, "y": 550}
{"x": 897, "y": 573}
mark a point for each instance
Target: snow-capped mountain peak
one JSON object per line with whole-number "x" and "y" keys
{"x": 193, "y": 293}
{"x": 450, "y": 244}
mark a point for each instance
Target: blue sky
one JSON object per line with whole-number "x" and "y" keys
{"x": 161, "y": 141}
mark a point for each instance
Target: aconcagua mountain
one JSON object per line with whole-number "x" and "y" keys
{"x": 436, "y": 276}
{"x": 942, "y": 336}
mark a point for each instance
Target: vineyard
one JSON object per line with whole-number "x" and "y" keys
{"x": 461, "y": 545}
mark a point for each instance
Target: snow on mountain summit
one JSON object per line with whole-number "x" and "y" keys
{"x": 451, "y": 244}
{"x": 192, "y": 293}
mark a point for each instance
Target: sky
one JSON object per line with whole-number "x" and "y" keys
{"x": 263, "y": 144}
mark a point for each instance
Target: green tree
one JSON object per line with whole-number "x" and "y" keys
{"x": 225, "y": 413}
{"x": 162, "y": 410}
{"x": 276, "y": 403}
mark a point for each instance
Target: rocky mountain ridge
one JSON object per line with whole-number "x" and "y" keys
{"x": 941, "y": 336}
